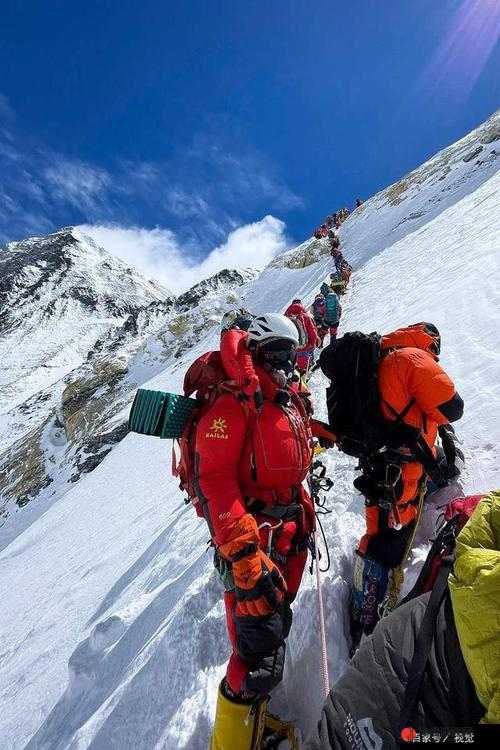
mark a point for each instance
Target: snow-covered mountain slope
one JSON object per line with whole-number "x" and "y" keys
{"x": 59, "y": 294}
{"x": 420, "y": 196}
{"x": 113, "y": 629}
{"x": 110, "y": 330}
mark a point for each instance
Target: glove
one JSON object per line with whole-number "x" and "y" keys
{"x": 259, "y": 615}
{"x": 451, "y": 451}
{"x": 259, "y": 585}
{"x": 267, "y": 673}
{"x": 323, "y": 433}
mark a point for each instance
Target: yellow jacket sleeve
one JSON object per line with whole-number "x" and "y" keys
{"x": 475, "y": 594}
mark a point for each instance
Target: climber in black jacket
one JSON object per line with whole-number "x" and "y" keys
{"x": 367, "y": 700}
{"x": 429, "y": 663}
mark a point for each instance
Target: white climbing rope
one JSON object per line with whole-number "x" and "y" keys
{"x": 322, "y": 628}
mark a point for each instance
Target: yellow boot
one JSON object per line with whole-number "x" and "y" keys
{"x": 233, "y": 726}
{"x": 237, "y": 727}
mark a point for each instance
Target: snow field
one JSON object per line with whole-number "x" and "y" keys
{"x": 113, "y": 628}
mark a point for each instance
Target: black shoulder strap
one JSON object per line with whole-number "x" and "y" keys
{"x": 426, "y": 456}
{"x": 423, "y": 645}
{"x": 400, "y": 415}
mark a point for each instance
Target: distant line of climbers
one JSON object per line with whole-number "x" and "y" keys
{"x": 333, "y": 221}
{"x": 323, "y": 316}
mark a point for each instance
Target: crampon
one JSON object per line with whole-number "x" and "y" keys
{"x": 271, "y": 732}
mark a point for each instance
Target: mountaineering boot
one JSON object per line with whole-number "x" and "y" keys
{"x": 234, "y": 723}
{"x": 247, "y": 725}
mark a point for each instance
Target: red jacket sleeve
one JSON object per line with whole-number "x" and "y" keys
{"x": 220, "y": 437}
{"x": 236, "y": 358}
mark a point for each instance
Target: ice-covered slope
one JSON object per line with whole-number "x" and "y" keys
{"x": 420, "y": 196}
{"x": 113, "y": 631}
{"x": 59, "y": 296}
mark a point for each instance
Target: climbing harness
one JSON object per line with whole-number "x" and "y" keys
{"x": 272, "y": 529}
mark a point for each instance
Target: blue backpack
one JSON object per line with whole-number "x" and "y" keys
{"x": 332, "y": 309}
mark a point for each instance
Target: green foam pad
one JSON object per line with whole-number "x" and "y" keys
{"x": 161, "y": 414}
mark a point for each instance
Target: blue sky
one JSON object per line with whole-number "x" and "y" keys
{"x": 187, "y": 121}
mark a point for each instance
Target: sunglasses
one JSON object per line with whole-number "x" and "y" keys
{"x": 277, "y": 351}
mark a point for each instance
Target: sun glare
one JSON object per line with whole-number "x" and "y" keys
{"x": 464, "y": 51}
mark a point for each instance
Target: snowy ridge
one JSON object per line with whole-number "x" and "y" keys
{"x": 115, "y": 636}
{"x": 58, "y": 295}
{"x": 420, "y": 196}
{"x": 67, "y": 285}
{"x": 110, "y": 330}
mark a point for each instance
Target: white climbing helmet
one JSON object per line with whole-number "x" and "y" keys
{"x": 273, "y": 326}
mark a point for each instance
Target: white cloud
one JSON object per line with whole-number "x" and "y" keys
{"x": 78, "y": 183}
{"x": 251, "y": 245}
{"x": 6, "y": 150}
{"x": 205, "y": 192}
{"x": 186, "y": 205}
{"x": 158, "y": 254}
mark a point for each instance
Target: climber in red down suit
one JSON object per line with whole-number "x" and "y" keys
{"x": 251, "y": 462}
{"x": 308, "y": 334}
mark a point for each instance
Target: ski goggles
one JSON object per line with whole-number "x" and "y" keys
{"x": 277, "y": 353}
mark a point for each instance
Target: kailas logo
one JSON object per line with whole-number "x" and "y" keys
{"x": 217, "y": 430}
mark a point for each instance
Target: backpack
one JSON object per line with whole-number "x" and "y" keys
{"x": 353, "y": 400}
{"x": 434, "y": 578}
{"x": 203, "y": 375}
{"x": 332, "y": 309}
{"x": 456, "y": 514}
{"x": 319, "y": 309}
{"x": 301, "y": 326}
{"x": 207, "y": 378}
{"x": 336, "y": 282}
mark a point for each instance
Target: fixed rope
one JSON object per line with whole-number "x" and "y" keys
{"x": 322, "y": 627}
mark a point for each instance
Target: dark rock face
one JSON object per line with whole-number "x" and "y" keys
{"x": 227, "y": 277}
{"x": 491, "y": 134}
{"x": 472, "y": 155}
{"x": 135, "y": 322}
{"x": 47, "y": 255}
{"x": 98, "y": 447}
